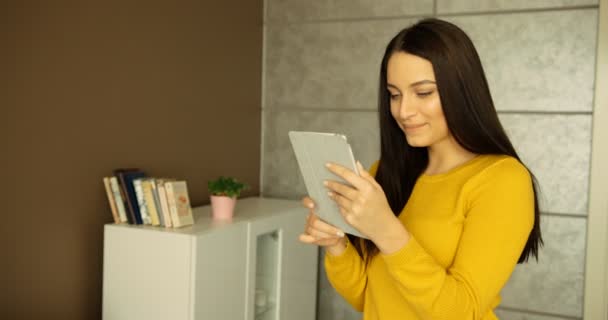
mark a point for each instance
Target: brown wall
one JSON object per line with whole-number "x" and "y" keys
{"x": 172, "y": 87}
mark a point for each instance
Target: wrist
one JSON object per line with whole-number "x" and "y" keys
{"x": 395, "y": 237}
{"x": 338, "y": 248}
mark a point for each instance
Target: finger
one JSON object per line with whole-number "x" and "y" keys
{"x": 308, "y": 202}
{"x": 342, "y": 189}
{"x": 365, "y": 174}
{"x": 347, "y": 215}
{"x": 362, "y": 172}
{"x": 306, "y": 238}
{"x": 325, "y": 227}
{"x": 343, "y": 202}
{"x": 318, "y": 234}
{"x": 347, "y": 175}
{"x": 312, "y": 216}
{"x": 326, "y": 242}
{"x": 307, "y": 221}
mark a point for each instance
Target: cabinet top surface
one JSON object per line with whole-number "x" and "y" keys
{"x": 246, "y": 209}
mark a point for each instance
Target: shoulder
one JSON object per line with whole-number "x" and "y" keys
{"x": 500, "y": 176}
{"x": 504, "y": 188}
{"x": 501, "y": 167}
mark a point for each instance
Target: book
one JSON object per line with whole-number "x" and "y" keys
{"x": 141, "y": 201}
{"x": 179, "y": 203}
{"x": 146, "y": 186}
{"x": 125, "y": 179}
{"x": 110, "y": 195}
{"x": 159, "y": 209}
{"x": 162, "y": 197}
{"x": 123, "y": 193}
{"x": 120, "y": 202}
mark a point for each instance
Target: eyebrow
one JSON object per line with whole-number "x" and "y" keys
{"x": 417, "y": 83}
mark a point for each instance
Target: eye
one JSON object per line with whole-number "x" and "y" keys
{"x": 394, "y": 96}
{"x": 424, "y": 94}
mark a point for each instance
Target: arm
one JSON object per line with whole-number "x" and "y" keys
{"x": 346, "y": 270}
{"x": 499, "y": 218}
{"x": 347, "y": 274}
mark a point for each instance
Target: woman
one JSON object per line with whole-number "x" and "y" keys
{"x": 449, "y": 209}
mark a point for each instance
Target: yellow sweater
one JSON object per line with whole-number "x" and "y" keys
{"x": 468, "y": 228}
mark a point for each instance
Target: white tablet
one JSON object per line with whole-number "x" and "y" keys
{"x": 313, "y": 150}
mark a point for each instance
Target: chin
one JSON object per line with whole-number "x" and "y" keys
{"x": 417, "y": 141}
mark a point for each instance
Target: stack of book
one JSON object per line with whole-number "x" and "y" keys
{"x": 135, "y": 198}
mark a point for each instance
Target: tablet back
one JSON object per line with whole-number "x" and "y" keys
{"x": 313, "y": 150}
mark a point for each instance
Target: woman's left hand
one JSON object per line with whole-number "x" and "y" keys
{"x": 364, "y": 205}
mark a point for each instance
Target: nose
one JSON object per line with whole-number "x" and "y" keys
{"x": 406, "y": 109}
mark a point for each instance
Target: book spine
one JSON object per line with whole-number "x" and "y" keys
{"x": 146, "y": 186}
{"x": 172, "y": 204}
{"x": 120, "y": 202}
{"x": 159, "y": 209}
{"x": 141, "y": 202}
{"x": 182, "y": 202}
{"x": 110, "y": 195}
{"x": 125, "y": 189}
{"x": 162, "y": 197}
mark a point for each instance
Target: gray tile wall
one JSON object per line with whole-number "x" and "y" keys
{"x": 321, "y": 67}
{"x": 469, "y": 6}
{"x": 320, "y": 10}
{"x": 525, "y": 315}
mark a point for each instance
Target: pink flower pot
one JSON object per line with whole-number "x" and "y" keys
{"x": 222, "y": 207}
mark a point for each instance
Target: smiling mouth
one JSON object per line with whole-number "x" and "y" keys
{"x": 414, "y": 127}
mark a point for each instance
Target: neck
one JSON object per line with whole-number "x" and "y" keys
{"x": 446, "y": 155}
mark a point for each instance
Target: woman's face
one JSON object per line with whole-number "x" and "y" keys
{"x": 414, "y": 100}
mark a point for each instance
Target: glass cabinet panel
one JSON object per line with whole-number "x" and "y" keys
{"x": 267, "y": 276}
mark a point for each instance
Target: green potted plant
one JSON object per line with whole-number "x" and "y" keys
{"x": 224, "y": 191}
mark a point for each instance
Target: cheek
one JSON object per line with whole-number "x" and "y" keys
{"x": 435, "y": 114}
{"x": 395, "y": 115}
{"x": 394, "y": 107}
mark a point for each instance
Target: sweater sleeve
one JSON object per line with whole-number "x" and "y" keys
{"x": 499, "y": 216}
{"x": 347, "y": 272}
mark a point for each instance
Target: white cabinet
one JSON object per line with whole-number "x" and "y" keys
{"x": 212, "y": 270}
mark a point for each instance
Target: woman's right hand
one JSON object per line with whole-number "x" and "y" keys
{"x": 321, "y": 233}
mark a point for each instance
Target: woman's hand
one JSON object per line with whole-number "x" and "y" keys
{"x": 365, "y": 207}
{"x": 321, "y": 233}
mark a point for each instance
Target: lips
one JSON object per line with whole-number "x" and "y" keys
{"x": 414, "y": 126}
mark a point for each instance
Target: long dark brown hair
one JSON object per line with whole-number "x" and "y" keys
{"x": 469, "y": 112}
